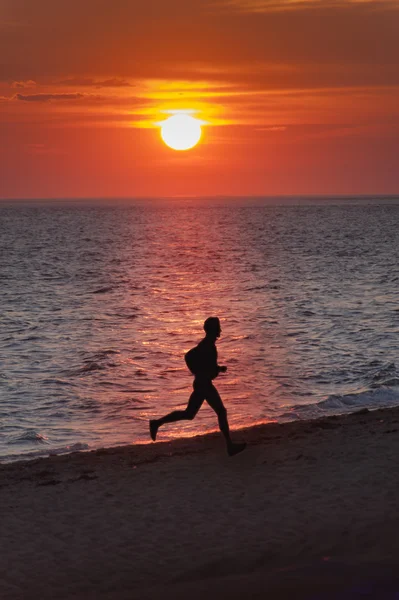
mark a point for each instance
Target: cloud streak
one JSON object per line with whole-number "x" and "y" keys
{"x": 267, "y": 6}
{"x": 49, "y": 97}
{"x": 113, "y": 82}
{"x": 23, "y": 84}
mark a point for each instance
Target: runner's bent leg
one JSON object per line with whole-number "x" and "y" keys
{"x": 214, "y": 400}
{"x": 194, "y": 404}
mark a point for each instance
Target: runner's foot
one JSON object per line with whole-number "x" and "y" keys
{"x": 153, "y": 430}
{"x": 236, "y": 448}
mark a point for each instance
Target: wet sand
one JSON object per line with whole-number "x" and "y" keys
{"x": 309, "y": 510}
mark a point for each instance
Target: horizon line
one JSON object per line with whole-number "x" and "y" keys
{"x": 374, "y": 196}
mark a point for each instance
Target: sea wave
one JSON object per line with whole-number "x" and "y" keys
{"x": 97, "y": 361}
{"x": 104, "y": 290}
{"x": 383, "y": 397}
{"x": 42, "y": 453}
{"x": 29, "y": 436}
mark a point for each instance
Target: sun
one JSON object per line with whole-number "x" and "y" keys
{"x": 181, "y": 132}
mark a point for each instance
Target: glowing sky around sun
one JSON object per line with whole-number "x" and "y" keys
{"x": 293, "y": 97}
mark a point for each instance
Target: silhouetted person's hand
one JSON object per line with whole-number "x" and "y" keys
{"x": 222, "y": 369}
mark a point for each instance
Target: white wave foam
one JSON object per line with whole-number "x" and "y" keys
{"x": 78, "y": 447}
{"x": 383, "y": 397}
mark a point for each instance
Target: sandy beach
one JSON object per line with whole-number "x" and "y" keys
{"x": 309, "y": 510}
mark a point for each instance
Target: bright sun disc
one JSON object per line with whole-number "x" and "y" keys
{"x": 181, "y": 132}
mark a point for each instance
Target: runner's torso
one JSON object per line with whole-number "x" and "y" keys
{"x": 208, "y": 357}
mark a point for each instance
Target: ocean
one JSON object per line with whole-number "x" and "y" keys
{"x": 100, "y": 301}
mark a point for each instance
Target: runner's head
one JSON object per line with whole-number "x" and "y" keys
{"x": 212, "y": 327}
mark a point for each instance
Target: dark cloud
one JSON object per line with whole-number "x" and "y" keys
{"x": 96, "y": 100}
{"x": 87, "y": 82}
{"x": 48, "y": 97}
{"x": 23, "y": 84}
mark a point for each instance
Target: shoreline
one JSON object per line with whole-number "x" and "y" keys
{"x": 192, "y": 444}
{"x": 309, "y": 509}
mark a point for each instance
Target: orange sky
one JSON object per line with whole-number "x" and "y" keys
{"x": 300, "y": 97}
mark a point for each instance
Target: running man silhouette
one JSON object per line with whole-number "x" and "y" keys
{"x": 202, "y": 362}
